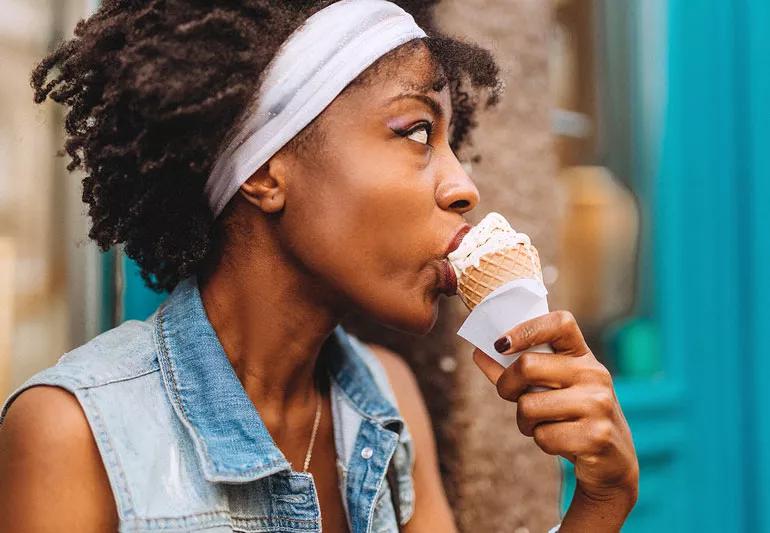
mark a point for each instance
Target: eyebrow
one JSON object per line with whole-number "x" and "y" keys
{"x": 425, "y": 99}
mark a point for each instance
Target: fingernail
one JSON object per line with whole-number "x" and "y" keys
{"x": 502, "y": 344}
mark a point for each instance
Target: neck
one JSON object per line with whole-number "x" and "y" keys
{"x": 272, "y": 321}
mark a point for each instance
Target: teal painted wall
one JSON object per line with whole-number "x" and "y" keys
{"x": 699, "y": 232}
{"x": 755, "y": 200}
{"x": 138, "y": 301}
{"x": 712, "y": 197}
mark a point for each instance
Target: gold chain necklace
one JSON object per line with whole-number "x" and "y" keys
{"x": 316, "y": 422}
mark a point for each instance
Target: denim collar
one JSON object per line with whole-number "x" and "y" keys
{"x": 230, "y": 438}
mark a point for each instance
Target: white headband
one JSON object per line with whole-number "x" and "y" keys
{"x": 311, "y": 68}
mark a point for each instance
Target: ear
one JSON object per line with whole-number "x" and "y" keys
{"x": 266, "y": 188}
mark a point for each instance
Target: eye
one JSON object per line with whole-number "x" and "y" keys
{"x": 420, "y": 133}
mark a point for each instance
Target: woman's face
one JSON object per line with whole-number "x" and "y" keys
{"x": 374, "y": 209}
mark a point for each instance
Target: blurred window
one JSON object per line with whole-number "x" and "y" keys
{"x": 49, "y": 272}
{"x": 606, "y": 123}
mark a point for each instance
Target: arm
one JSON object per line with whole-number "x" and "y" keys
{"x": 431, "y": 511}
{"x": 51, "y": 473}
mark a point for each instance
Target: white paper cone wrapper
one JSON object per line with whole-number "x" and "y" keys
{"x": 505, "y": 307}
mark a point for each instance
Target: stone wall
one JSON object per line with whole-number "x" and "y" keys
{"x": 496, "y": 479}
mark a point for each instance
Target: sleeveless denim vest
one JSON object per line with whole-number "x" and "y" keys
{"x": 185, "y": 449}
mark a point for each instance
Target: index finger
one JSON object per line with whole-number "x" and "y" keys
{"x": 558, "y": 328}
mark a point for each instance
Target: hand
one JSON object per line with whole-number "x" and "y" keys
{"x": 580, "y": 419}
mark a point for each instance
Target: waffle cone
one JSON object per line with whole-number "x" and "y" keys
{"x": 495, "y": 269}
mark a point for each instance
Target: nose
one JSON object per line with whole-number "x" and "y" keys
{"x": 456, "y": 190}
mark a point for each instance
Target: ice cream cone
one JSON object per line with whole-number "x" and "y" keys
{"x": 495, "y": 269}
{"x": 494, "y": 258}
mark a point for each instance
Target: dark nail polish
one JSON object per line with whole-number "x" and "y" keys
{"x": 502, "y": 344}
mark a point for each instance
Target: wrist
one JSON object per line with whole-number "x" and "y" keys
{"x": 625, "y": 489}
{"x": 599, "y": 512}
{"x": 623, "y": 496}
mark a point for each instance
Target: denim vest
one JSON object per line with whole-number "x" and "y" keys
{"x": 185, "y": 449}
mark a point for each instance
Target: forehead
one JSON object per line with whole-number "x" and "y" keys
{"x": 407, "y": 70}
{"x": 411, "y": 68}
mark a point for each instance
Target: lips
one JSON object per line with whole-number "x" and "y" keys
{"x": 455, "y": 243}
{"x": 448, "y": 279}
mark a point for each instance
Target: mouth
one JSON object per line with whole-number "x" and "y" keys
{"x": 455, "y": 243}
{"x": 447, "y": 280}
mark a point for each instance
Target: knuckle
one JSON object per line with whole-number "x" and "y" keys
{"x": 525, "y": 364}
{"x": 600, "y": 435}
{"x": 564, "y": 317}
{"x": 603, "y": 402}
{"x": 526, "y": 333}
{"x": 584, "y": 375}
{"x": 602, "y": 374}
{"x": 591, "y": 371}
{"x": 524, "y": 406}
{"x": 590, "y": 459}
{"x": 505, "y": 387}
{"x": 524, "y": 423}
{"x": 542, "y": 439}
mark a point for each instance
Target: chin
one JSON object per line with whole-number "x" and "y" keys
{"x": 417, "y": 319}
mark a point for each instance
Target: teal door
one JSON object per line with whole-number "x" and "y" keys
{"x": 700, "y": 424}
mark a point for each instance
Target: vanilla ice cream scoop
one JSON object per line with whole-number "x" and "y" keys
{"x": 491, "y": 254}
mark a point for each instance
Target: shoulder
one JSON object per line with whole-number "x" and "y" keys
{"x": 45, "y": 422}
{"x": 45, "y": 440}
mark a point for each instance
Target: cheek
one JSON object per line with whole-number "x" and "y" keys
{"x": 370, "y": 239}
{"x": 368, "y": 232}
{"x": 378, "y": 213}
{"x": 388, "y": 222}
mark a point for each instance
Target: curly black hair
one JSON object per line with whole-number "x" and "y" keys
{"x": 154, "y": 86}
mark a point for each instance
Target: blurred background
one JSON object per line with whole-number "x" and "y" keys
{"x": 632, "y": 144}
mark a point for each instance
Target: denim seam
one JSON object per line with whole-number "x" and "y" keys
{"x": 370, "y": 511}
{"x": 104, "y": 437}
{"x": 174, "y": 387}
{"x": 207, "y": 521}
{"x": 188, "y": 517}
{"x": 218, "y": 514}
{"x": 242, "y": 474}
{"x": 274, "y": 517}
{"x": 121, "y": 379}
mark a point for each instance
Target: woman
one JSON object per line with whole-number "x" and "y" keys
{"x": 240, "y": 404}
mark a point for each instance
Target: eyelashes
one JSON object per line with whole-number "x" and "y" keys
{"x": 426, "y": 127}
